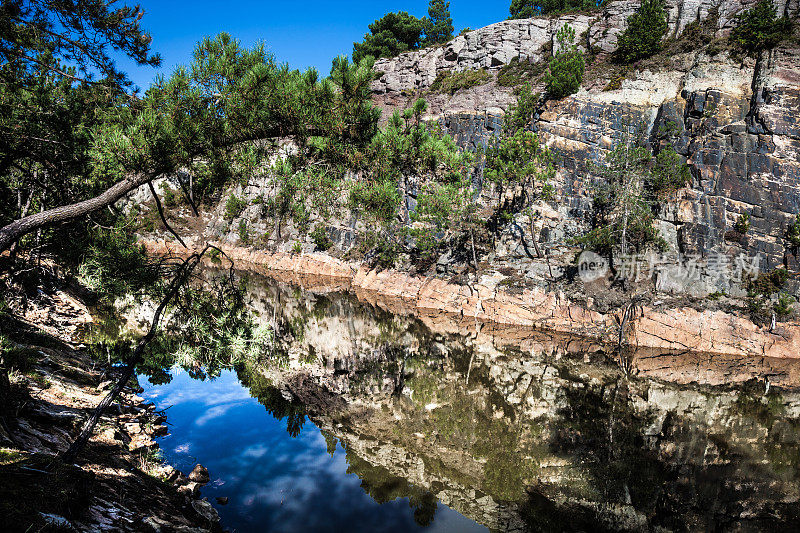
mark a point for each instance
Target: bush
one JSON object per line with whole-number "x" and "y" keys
{"x": 793, "y": 234}
{"x": 244, "y": 234}
{"x": 742, "y": 224}
{"x": 760, "y": 28}
{"x": 784, "y": 305}
{"x": 379, "y": 199}
{"x": 644, "y": 33}
{"x": 320, "y": 238}
{"x": 234, "y": 207}
{"x": 566, "y": 68}
{"x": 518, "y": 72}
{"x": 669, "y": 174}
{"x": 448, "y": 82}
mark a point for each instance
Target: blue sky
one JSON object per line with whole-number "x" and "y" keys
{"x": 305, "y": 34}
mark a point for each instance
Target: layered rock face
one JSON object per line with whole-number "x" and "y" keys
{"x": 733, "y": 120}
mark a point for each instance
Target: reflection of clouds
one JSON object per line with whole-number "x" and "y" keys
{"x": 214, "y": 412}
{"x": 182, "y": 448}
{"x": 274, "y": 482}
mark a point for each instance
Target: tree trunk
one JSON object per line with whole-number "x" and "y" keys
{"x": 10, "y": 233}
{"x": 180, "y": 278}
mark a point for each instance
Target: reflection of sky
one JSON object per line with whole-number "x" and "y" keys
{"x": 273, "y": 482}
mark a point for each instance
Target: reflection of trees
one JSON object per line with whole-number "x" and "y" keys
{"x": 383, "y": 487}
{"x": 262, "y": 389}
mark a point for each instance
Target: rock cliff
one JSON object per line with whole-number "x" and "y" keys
{"x": 732, "y": 119}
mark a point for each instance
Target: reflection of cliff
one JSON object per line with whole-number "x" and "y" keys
{"x": 552, "y": 434}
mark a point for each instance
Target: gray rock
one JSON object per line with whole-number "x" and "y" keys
{"x": 206, "y": 510}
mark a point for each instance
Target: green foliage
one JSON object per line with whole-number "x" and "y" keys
{"x": 742, "y": 224}
{"x": 785, "y": 305}
{"x": 234, "y": 207}
{"x": 523, "y": 9}
{"x": 379, "y": 199}
{"x": 644, "y": 33}
{"x": 762, "y": 289}
{"x": 244, "y": 233}
{"x": 111, "y": 263}
{"x": 793, "y": 234}
{"x": 392, "y": 34}
{"x": 518, "y": 159}
{"x": 448, "y": 82}
{"x": 320, "y": 238}
{"x": 442, "y": 209}
{"x": 297, "y": 248}
{"x": 519, "y": 71}
{"x": 669, "y": 174}
{"x": 439, "y": 24}
{"x": 566, "y": 68}
{"x": 760, "y": 28}
{"x": 519, "y": 116}
{"x": 622, "y": 218}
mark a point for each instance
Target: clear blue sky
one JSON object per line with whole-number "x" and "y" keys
{"x": 307, "y": 33}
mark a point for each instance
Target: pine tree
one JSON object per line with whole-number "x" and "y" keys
{"x": 439, "y": 23}
{"x": 644, "y": 32}
{"x": 390, "y": 35}
{"x": 566, "y": 68}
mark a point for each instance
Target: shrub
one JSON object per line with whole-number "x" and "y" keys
{"x": 742, "y": 224}
{"x": 244, "y": 234}
{"x": 784, "y": 305}
{"x": 379, "y": 199}
{"x": 566, "y": 68}
{"x": 519, "y": 71}
{"x": 234, "y": 207}
{"x": 793, "y": 234}
{"x": 759, "y": 28}
{"x": 644, "y": 33}
{"x": 297, "y": 247}
{"x": 448, "y": 82}
{"x": 320, "y": 238}
{"x": 669, "y": 173}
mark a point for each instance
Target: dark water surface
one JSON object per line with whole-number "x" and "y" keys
{"x": 361, "y": 419}
{"x": 274, "y": 482}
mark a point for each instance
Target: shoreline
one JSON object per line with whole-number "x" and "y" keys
{"x": 120, "y": 481}
{"x": 682, "y": 329}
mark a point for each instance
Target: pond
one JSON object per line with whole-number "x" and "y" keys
{"x": 368, "y": 418}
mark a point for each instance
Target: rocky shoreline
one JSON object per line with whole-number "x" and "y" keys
{"x": 682, "y": 328}
{"x": 120, "y": 482}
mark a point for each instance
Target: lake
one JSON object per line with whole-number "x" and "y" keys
{"x": 368, "y": 418}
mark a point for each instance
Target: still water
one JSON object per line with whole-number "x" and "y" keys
{"x": 274, "y": 481}
{"x": 366, "y": 417}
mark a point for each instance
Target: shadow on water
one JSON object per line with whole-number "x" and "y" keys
{"x": 378, "y": 421}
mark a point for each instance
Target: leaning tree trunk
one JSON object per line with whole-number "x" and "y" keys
{"x": 10, "y": 233}
{"x": 180, "y": 278}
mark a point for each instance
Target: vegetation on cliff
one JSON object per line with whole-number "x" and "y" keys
{"x": 759, "y": 28}
{"x": 565, "y": 71}
{"x": 644, "y": 32}
{"x": 522, "y": 9}
{"x": 395, "y": 33}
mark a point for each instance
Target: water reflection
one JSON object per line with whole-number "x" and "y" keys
{"x": 275, "y": 482}
{"x": 514, "y": 430}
